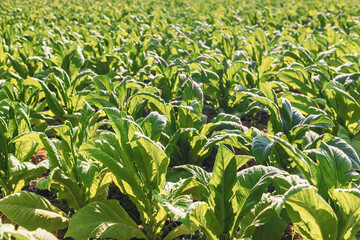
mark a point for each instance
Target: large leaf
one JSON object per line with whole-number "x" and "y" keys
{"x": 312, "y": 217}
{"x": 178, "y": 208}
{"x": 103, "y": 219}
{"x": 68, "y": 189}
{"x": 203, "y": 217}
{"x": 153, "y": 125}
{"x": 202, "y": 178}
{"x": 261, "y": 148}
{"x": 349, "y": 150}
{"x": 181, "y": 230}
{"x": 107, "y": 152}
{"x": 253, "y": 182}
{"x": 335, "y": 165}
{"x": 348, "y": 202}
{"x": 275, "y": 119}
{"x": 24, "y": 234}
{"x": 52, "y": 101}
{"x": 263, "y": 221}
{"x": 223, "y": 187}
{"x": 33, "y": 211}
{"x": 151, "y": 161}
{"x": 295, "y": 78}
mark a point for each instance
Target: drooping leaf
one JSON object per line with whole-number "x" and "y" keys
{"x": 33, "y": 211}
{"x": 261, "y": 148}
{"x": 347, "y": 201}
{"x": 312, "y": 217}
{"x": 103, "y": 219}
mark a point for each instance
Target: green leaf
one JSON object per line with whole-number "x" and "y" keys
{"x": 151, "y": 161}
{"x": 68, "y": 189}
{"x": 262, "y": 221}
{"x": 304, "y": 104}
{"x": 262, "y": 148}
{"x": 192, "y": 92}
{"x": 23, "y": 234}
{"x": 348, "y": 150}
{"x": 312, "y": 217}
{"x": 277, "y": 123}
{"x": 348, "y": 202}
{"x": 153, "y": 125}
{"x": 52, "y": 101}
{"x": 308, "y": 168}
{"x": 253, "y": 183}
{"x": 259, "y": 34}
{"x": 178, "y": 208}
{"x": 202, "y": 178}
{"x": 18, "y": 66}
{"x": 335, "y": 165}
{"x": 99, "y": 189}
{"x": 181, "y": 230}
{"x": 295, "y": 79}
{"x": 22, "y": 173}
{"x": 223, "y": 187}
{"x": 73, "y": 62}
{"x": 203, "y": 217}
{"x": 106, "y": 151}
{"x": 337, "y": 89}
{"x": 33, "y": 211}
{"x": 232, "y": 139}
{"x": 156, "y": 103}
{"x": 103, "y": 219}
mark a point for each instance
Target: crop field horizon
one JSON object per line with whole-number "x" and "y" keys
{"x": 174, "y": 120}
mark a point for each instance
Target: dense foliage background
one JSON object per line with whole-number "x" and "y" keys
{"x": 179, "y": 119}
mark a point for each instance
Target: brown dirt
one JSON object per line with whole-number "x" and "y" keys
{"x": 39, "y": 156}
{"x": 290, "y": 233}
{"x": 259, "y": 121}
{"x": 210, "y": 113}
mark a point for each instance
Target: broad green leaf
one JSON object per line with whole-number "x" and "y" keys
{"x": 261, "y": 148}
{"x": 307, "y": 167}
{"x": 253, "y": 183}
{"x": 156, "y": 103}
{"x": 105, "y": 152}
{"x": 312, "y": 217}
{"x": 23, "y": 234}
{"x": 347, "y": 149}
{"x": 68, "y": 189}
{"x": 99, "y": 189}
{"x": 151, "y": 161}
{"x": 277, "y": 124}
{"x": 103, "y": 219}
{"x": 232, "y": 139}
{"x": 295, "y": 79}
{"x": 263, "y": 222}
{"x": 203, "y": 217}
{"x": 347, "y": 201}
{"x": 181, "y": 230}
{"x": 223, "y": 187}
{"x": 337, "y": 89}
{"x": 53, "y": 103}
{"x": 202, "y": 178}
{"x": 335, "y": 165}
{"x": 178, "y": 208}
{"x": 33, "y": 211}
{"x": 18, "y": 66}
{"x": 153, "y": 125}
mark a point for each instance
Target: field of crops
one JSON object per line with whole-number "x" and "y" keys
{"x": 201, "y": 119}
